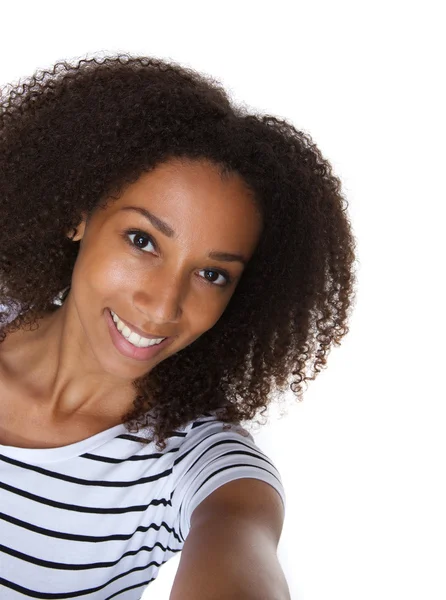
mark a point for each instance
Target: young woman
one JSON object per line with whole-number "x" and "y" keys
{"x": 167, "y": 263}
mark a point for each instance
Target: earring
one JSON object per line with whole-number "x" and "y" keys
{"x": 59, "y": 299}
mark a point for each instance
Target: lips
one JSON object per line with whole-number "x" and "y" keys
{"x": 139, "y": 331}
{"x": 127, "y": 349}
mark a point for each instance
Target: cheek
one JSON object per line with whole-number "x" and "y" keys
{"x": 98, "y": 276}
{"x": 200, "y": 312}
{"x": 210, "y": 310}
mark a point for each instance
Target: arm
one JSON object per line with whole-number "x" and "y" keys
{"x": 230, "y": 551}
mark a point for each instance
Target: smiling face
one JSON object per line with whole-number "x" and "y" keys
{"x": 165, "y": 259}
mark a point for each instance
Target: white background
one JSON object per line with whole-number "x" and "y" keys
{"x": 363, "y": 457}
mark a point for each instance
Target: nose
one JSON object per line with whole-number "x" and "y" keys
{"x": 159, "y": 298}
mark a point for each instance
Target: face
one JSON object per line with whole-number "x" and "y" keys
{"x": 165, "y": 260}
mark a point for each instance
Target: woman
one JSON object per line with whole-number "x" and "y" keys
{"x": 168, "y": 261}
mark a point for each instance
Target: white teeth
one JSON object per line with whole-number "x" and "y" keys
{"x": 126, "y": 332}
{"x": 131, "y": 336}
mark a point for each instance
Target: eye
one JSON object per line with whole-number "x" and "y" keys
{"x": 225, "y": 276}
{"x": 140, "y": 239}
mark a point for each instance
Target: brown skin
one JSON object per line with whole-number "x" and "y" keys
{"x": 67, "y": 375}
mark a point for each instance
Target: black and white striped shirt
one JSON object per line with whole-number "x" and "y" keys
{"x": 98, "y": 518}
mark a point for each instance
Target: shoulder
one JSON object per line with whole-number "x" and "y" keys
{"x": 245, "y": 499}
{"x": 224, "y": 466}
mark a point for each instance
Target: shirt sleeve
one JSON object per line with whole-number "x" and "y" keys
{"x": 214, "y": 453}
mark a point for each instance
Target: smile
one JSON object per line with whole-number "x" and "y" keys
{"x": 131, "y": 336}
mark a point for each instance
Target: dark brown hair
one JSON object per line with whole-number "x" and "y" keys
{"x": 76, "y": 136}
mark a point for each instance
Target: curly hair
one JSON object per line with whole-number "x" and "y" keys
{"x": 75, "y": 137}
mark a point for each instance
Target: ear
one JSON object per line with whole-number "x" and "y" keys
{"x": 77, "y": 233}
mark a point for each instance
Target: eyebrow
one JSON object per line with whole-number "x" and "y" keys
{"x": 165, "y": 229}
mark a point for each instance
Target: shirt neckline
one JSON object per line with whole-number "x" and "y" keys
{"x": 63, "y": 452}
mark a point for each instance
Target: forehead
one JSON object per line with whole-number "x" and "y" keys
{"x": 181, "y": 179}
{"x": 196, "y": 194}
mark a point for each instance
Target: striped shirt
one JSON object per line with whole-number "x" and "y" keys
{"x": 98, "y": 518}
